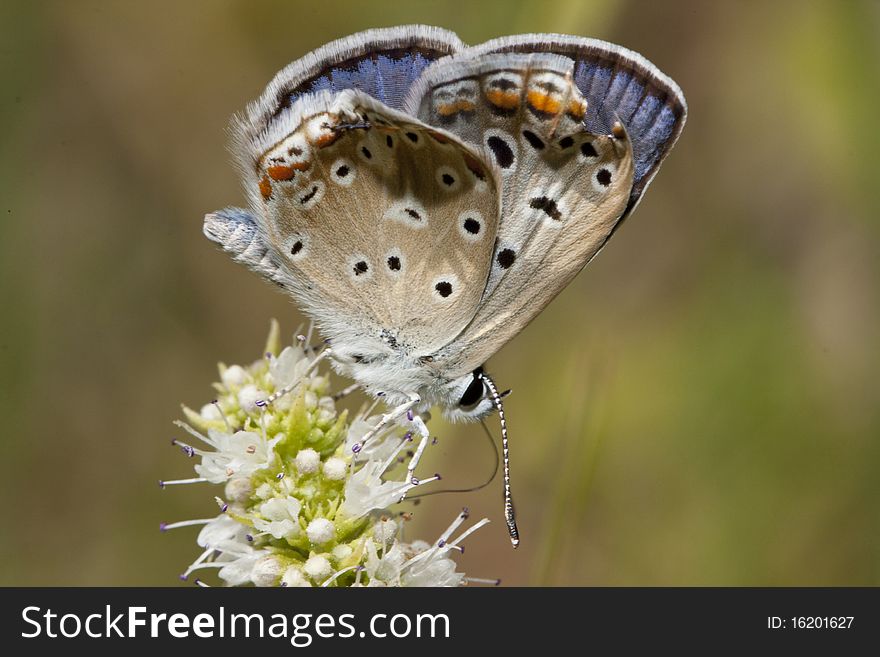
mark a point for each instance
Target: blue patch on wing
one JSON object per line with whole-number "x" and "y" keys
{"x": 385, "y": 75}
{"x": 649, "y": 113}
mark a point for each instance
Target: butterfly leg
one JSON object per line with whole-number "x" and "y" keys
{"x": 286, "y": 390}
{"x": 422, "y": 430}
{"x": 395, "y": 414}
{"x": 345, "y": 392}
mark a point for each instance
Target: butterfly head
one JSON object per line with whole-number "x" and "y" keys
{"x": 469, "y": 398}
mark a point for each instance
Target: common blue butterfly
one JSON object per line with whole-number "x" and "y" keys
{"x": 423, "y": 201}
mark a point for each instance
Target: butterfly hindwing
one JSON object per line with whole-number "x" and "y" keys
{"x": 564, "y": 187}
{"x": 384, "y": 225}
{"x": 618, "y": 85}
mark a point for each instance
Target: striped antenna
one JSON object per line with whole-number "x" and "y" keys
{"x": 509, "y": 513}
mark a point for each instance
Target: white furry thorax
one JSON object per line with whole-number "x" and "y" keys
{"x": 389, "y": 370}
{"x": 392, "y": 372}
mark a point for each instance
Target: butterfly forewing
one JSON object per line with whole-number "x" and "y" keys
{"x": 381, "y": 62}
{"x": 386, "y": 224}
{"x": 564, "y": 187}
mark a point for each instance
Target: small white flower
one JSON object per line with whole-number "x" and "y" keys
{"x": 385, "y": 531}
{"x": 342, "y": 552}
{"x": 318, "y": 567}
{"x": 290, "y": 366}
{"x": 419, "y": 564}
{"x": 234, "y": 376}
{"x": 220, "y": 529}
{"x": 320, "y": 531}
{"x": 280, "y": 517}
{"x": 248, "y": 397}
{"x": 367, "y": 490}
{"x": 335, "y": 469}
{"x": 439, "y": 571}
{"x": 293, "y": 578}
{"x": 239, "y": 565}
{"x": 267, "y": 571}
{"x": 307, "y": 461}
{"x": 239, "y": 489}
{"x": 384, "y": 569}
{"x": 241, "y": 453}
{"x": 211, "y": 413}
{"x": 432, "y": 566}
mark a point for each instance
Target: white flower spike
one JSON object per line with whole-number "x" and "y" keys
{"x": 307, "y": 499}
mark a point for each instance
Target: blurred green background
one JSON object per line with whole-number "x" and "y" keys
{"x": 700, "y": 407}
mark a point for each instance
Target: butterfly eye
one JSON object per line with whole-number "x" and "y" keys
{"x": 475, "y": 390}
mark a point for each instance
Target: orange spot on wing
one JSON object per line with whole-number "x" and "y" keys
{"x": 286, "y": 171}
{"x": 449, "y": 109}
{"x": 577, "y": 109}
{"x": 504, "y": 99}
{"x": 327, "y": 138}
{"x": 543, "y": 103}
{"x": 265, "y": 188}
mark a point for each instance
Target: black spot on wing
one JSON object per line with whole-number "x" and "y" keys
{"x": 588, "y": 150}
{"x": 503, "y": 83}
{"x": 308, "y": 197}
{"x": 534, "y": 140}
{"x": 506, "y": 258}
{"x": 502, "y": 152}
{"x": 444, "y": 288}
{"x": 548, "y": 205}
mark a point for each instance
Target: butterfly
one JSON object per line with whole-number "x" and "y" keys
{"x": 422, "y": 200}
